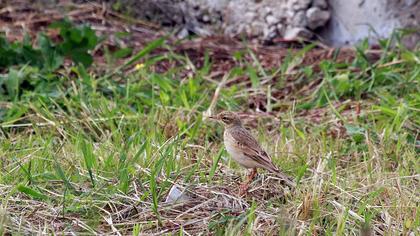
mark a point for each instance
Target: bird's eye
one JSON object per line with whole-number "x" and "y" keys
{"x": 225, "y": 119}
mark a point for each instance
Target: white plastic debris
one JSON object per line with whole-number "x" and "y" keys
{"x": 176, "y": 194}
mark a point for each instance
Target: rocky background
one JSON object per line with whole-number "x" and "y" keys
{"x": 264, "y": 20}
{"x": 334, "y": 22}
{"x": 354, "y": 20}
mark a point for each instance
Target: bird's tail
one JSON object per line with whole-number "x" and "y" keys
{"x": 288, "y": 180}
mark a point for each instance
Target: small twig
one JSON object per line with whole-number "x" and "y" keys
{"x": 109, "y": 221}
{"x": 222, "y": 83}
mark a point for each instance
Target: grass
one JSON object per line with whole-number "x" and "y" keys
{"x": 89, "y": 153}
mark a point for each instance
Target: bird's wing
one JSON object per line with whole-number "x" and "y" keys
{"x": 251, "y": 148}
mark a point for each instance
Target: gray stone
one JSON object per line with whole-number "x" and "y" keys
{"x": 320, "y": 3}
{"x": 350, "y": 23}
{"x": 263, "y": 20}
{"x": 257, "y": 28}
{"x": 410, "y": 3}
{"x": 300, "y": 4}
{"x": 294, "y": 33}
{"x": 299, "y": 19}
{"x": 183, "y": 33}
{"x": 249, "y": 15}
{"x": 271, "y": 20}
{"x": 270, "y": 32}
{"x": 280, "y": 29}
{"x": 317, "y": 17}
{"x": 206, "y": 19}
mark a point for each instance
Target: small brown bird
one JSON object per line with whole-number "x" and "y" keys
{"x": 245, "y": 149}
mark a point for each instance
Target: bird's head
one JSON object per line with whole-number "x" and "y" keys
{"x": 228, "y": 118}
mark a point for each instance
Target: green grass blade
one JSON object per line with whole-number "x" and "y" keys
{"x": 59, "y": 171}
{"x": 150, "y": 47}
{"x": 89, "y": 158}
{"x": 215, "y": 163}
{"x": 32, "y": 192}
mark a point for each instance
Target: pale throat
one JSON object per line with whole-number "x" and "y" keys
{"x": 234, "y": 124}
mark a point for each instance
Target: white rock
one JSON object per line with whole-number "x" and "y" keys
{"x": 206, "y": 18}
{"x": 320, "y": 3}
{"x": 271, "y": 20}
{"x": 300, "y": 4}
{"x": 290, "y": 14}
{"x": 257, "y": 28}
{"x": 249, "y": 15}
{"x": 297, "y": 32}
{"x": 281, "y": 28}
{"x": 183, "y": 33}
{"x": 270, "y": 33}
{"x": 410, "y": 3}
{"x": 299, "y": 19}
{"x": 317, "y": 17}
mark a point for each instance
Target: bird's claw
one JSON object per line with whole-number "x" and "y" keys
{"x": 243, "y": 189}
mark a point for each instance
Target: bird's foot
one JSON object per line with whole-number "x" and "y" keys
{"x": 243, "y": 189}
{"x": 251, "y": 175}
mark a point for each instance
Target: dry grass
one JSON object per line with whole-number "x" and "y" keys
{"x": 337, "y": 193}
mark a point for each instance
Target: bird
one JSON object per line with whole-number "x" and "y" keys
{"x": 245, "y": 149}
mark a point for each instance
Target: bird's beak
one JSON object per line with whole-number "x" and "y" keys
{"x": 212, "y": 117}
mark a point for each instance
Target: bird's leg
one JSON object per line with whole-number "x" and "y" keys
{"x": 245, "y": 186}
{"x": 252, "y": 175}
